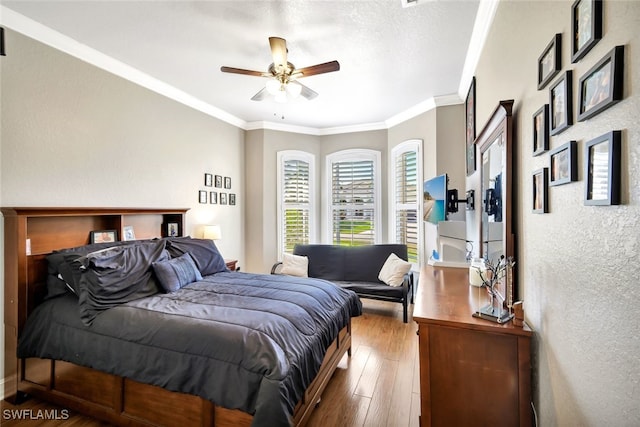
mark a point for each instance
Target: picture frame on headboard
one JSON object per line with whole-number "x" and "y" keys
{"x": 470, "y": 112}
{"x": 586, "y": 27}
{"x": 103, "y": 236}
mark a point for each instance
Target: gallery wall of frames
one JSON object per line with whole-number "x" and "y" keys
{"x": 221, "y": 195}
{"x": 600, "y": 88}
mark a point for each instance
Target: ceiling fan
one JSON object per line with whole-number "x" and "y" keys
{"x": 284, "y": 75}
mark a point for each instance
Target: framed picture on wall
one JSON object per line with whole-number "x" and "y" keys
{"x": 541, "y": 130}
{"x": 564, "y": 164}
{"x": 223, "y": 198}
{"x": 232, "y": 199}
{"x": 550, "y": 61}
{"x": 586, "y": 27}
{"x": 601, "y": 86}
{"x": 560, "y": 104}
{"x": 540, "y": 185}
{"x": 213, "y": 197}
{"x": 202, "y": 196}
{"x": 470, "y": 111}
{"x": 208, "y": 180}
{"x": 602, "y": 170}
{"x": 218, "y": 181}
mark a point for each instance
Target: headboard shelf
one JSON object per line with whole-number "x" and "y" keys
{"x": 31, "y": 233}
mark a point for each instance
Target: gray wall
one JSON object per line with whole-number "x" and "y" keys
{"x": 579, "y": 266}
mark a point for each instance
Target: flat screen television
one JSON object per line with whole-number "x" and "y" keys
{"x": 434, "y": 199}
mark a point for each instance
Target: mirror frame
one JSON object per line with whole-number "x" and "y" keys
{"x": 500, "y": 122}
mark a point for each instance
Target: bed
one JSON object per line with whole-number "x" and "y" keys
{"x": 222, "y": 348}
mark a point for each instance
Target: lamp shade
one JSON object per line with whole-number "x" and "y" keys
{"x": 212, "y": 232}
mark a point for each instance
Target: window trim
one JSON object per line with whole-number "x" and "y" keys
{"x": 355, "y": 154}
{"x": 282, "y": 157}
{"x": 398, "y": 150}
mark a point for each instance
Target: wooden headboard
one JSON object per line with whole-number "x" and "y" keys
{"x": 30, "y": 234}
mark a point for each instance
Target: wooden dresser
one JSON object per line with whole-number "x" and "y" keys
{"x": 472, "y": 371}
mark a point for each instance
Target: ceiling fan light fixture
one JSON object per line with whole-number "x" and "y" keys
{"x": 273, "y": 86}
{"x": 293, "y": 89}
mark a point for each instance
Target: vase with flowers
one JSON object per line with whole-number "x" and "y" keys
{"x": 497, "y": 279}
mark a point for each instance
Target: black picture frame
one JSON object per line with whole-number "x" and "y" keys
{"x": 586, "y": 27}
{"x": 218, "y": 181}
{"x": 550, "y": 61}
{"x": 202, "y": 196}
{"x": 561, "y": 103}
{"x": 601, "y": 86}
{"x": 223, "y": 198}
{"x": 173, "y": 229}
{"x": 208, "y": 180}
{"x": 470, "y": 114}
{"x": 232, "y": 199}
{"x": 563, "y": 164}
{"x": 540, "y": 187}
{"x": 541, "y": 130}
{"x": 227, "y": 182}
{"x": 213, "y": 197}
{"x": 103, "y": 236}
{"x": 602, "y": 169}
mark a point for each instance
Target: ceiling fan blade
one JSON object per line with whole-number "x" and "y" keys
{"x": 243, "y": 71}
{"x": 307, "y": 92}
{"x": 260, "y": 96}
{"x": 279, "y": 52}
{"x": 327, "y": 67}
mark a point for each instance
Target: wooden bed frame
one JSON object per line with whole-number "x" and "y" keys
{"x": 30, "y": 235}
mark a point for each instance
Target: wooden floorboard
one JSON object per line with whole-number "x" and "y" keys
{"x": 377, "y": 386}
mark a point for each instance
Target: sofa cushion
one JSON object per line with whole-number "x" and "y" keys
{"x": 368, "y": 288}
{"x": 325, "y": 261}
{"x": 393, "y": 271}
{"x": 295, "y": 265}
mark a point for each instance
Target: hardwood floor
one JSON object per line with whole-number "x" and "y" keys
{"x": 377, "y": 386}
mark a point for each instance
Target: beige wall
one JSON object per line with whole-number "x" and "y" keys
{"x": 579, "y": 265}
{"x": 74, "y": 135}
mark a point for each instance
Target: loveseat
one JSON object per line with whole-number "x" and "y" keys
{"x": 357, "y": 268}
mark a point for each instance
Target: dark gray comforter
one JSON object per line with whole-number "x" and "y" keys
{"x": 246, "y": 341}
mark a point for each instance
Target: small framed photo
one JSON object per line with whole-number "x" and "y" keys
{"x": 560, "y": 104}
{"x": 173, "y": 229}
{"x": 564, "y": 164}
{"x": 227, "y": 182}
{"x": 470, "y": 111}
{"x": 586, "y": 25}
{"x": 103, "y": 236}
{"x": 540, "y": 197}
{"x": 550, "y": 62}
{"x": 213, "y": 197}
{"x": 602, "y": 169}
{"x": 232, "y": 199}
{"x": 601, "y": 86}
{"x": 128, "y": 233}
{"x": 202, "y": 196}
{"x": 208, "y": 180}
{"x": 218, "y": 181}
{"x": 223, "y": 198}
{"x": 541, "y": 130}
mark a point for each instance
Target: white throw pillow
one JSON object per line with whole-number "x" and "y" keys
{"x": 393, "y": 270}
{"x": 295, "y": 265}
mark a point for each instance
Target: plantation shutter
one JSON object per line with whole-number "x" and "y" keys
{"x": 353, "y": 202}
{"x": 296, "y": 203}
{"x": 406, "y": 202}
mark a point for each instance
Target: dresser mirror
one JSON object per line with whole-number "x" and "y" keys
{"x": 495, "y": 146}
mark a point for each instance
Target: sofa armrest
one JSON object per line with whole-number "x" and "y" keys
{"x": 276, "y": 268}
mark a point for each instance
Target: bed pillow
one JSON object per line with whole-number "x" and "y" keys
{"x": 203, "y": 251}
{"x": 393, "y": 271}
{"x": 295, "y": 265}
{"x": 117, "y": 275}
{"x": 176, "y": 272}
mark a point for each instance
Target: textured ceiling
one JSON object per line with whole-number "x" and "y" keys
{"x": 392, "y": 58}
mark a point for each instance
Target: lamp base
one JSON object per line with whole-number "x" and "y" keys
{"x": 493, "y": 314}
